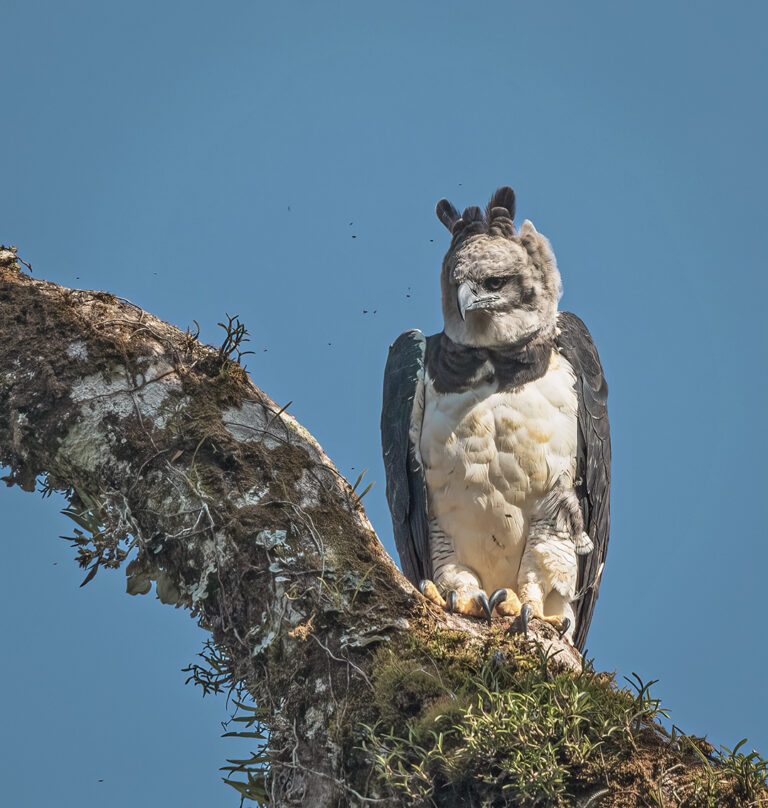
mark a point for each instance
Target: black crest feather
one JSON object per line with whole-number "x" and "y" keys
{"x": 501, "y": 213}
{"x": 447, "y": 214}
{"x": 472, "y": 221}
{"x": 504, "y": 197}
{"x": 472, "y": 214}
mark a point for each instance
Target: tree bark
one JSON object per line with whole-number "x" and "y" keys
{"x": 175, "y": 462}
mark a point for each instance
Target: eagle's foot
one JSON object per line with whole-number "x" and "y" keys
{"x": 506, "y": 602}
{"x": 473, "y": 603}
{"x": 560, "y": 623}
{"x": 431, "y": 592}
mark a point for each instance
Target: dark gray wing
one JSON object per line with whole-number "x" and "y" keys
{"x": 593, "y": 461}
{"x": 406, "y": 489}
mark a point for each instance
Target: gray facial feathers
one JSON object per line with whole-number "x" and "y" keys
{"x": 513, "y": 278}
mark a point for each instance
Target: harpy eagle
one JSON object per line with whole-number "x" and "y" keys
{"x": 495, "y": 434}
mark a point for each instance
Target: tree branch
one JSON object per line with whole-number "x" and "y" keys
{"x": 174, "y": 461}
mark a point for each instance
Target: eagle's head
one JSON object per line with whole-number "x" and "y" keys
{"x": 499, "y": 288}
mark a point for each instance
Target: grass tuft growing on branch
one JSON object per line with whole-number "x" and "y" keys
{"x": 512, "y": 730}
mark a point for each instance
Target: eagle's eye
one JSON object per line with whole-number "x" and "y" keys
{"x": 494, "y": 284}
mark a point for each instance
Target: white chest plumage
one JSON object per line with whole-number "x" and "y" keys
{"x": 489, "y": 457}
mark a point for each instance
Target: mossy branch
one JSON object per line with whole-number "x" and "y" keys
{"x": 175, "y": 463}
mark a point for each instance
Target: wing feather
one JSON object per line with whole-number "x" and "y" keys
{"x": 593, "y": 461}
{"x": 402, "y": 410}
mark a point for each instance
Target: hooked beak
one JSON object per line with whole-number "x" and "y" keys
{"x": 469, "y": 300}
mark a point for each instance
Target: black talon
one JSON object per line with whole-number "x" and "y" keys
{"x": 451, "y": 599}
{"x": 525, "y": 616}
{"x": 566, "y": 626}
{"x": 483, "y": 598}
{"x": 499, "y": 596}
{"x": 422, "y": 586}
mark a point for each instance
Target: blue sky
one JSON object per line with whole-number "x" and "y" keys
{"x": 281, "y": 161}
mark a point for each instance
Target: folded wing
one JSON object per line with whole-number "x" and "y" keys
{"x": 401, "y": 415}
{"x": 593, "y": 461}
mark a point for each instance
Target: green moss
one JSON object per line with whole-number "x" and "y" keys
{"x": 490, "y": 725}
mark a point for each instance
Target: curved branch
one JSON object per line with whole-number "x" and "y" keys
{"x": 174, "y": 461}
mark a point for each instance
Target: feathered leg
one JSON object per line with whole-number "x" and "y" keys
{"x": 549, "y": 565}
